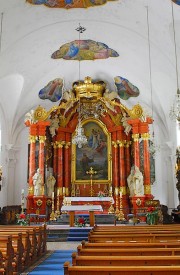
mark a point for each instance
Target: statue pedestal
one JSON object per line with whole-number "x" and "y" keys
{"x": 138, "y": 203}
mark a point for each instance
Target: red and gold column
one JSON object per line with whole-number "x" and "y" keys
{"x": 60, "y": 168}
{"x": 32, "y": 161}
{"x": 147, "y": 176}
{"x": 115, "y": 169}
{"x": 55, "y": 159}
{"x": 136, "y": 149}
{"x": 67, "y": 163}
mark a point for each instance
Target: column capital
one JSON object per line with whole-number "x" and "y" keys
{"x": 67, "y": 144}
{"x": 32, "y": 138}
{"x": 60, "y": 144}
{"x": 42, "y": 139}
{"x": 135, "y": 137}
{"x": 147, "y": 189}
{"x": 145, "y": 136}
{"x": 128, "y": 143}
{"x": 114, "y": 143}
{"x": 121, "y": 143}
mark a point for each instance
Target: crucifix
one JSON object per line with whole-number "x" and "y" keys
{"x": 91, "y": 172}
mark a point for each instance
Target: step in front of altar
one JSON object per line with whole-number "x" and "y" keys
{"x": 99, "y": 218}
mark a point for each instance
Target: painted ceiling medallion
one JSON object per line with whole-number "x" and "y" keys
{"x": 84, "y": 50}
{"x": 69, "y": 4}
{"x": 176, "y": 2}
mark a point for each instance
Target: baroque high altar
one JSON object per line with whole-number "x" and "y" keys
{"x": 100, "y": 166}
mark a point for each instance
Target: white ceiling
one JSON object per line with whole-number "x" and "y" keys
{"x": 30, "y": 34}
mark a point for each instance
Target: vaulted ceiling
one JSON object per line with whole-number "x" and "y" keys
{"x": 31, "y": 33}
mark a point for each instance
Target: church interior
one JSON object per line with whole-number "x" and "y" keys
{"x": 92, "y": 134}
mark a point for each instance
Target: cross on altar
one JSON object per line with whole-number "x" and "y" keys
{"x": 91, "y": 172}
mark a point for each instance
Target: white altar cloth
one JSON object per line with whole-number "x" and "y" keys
{"x": 81, "y": 208}
{"x": 90, "y": 199}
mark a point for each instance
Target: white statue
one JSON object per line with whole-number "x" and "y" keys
{"x": 30, "y": 117}
{"x": 135, "y": 182}
{"x": 50, "y": 184}
{"x": 54, "y": 125}
{"x": 126, "y": 125}
{"x": 38, "y": 183}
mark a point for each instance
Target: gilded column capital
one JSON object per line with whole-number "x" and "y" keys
{"x": 147, "y": 189}
{"x": 127, "y": 144}
{"x": 42, "y": 139}
{"x": 145, "y": 136}
{"x": 60, "y": 144}
{"x": 32, "y": 139}
{"x": 114, "y": 143}
{"x": 121, "y": 143}
{"x": 67, "y": 145}
{"x": 123, "y": 189}
{"x": 54, "y": 145}
{"x": 135, "y": 137}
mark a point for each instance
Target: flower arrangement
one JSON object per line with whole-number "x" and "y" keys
{"x": 152, "y": 215}
{"x": 80, "y": 222}
{"x": 101, "y": 194}
{"x": 22, "y": 219}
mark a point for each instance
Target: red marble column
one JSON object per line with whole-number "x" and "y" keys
{"x": 60, "y": 167}
{"x": 147, "y": 178}
{"x": 136, "y": 150}
{"x": 55, "y": 159}
{"x": 127, "y": 158}
{"x": 32, "y": 162}
{"x": 67, "y": 163}
{"x": 115, "y": 163}
{"x": 41, "y": 155}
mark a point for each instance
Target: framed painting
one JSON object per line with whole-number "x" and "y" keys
{"x": 96, "y": 154}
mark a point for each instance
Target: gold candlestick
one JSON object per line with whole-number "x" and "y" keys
{"x": 57, "y": 212}
{"x": 121, "y": 214}
{"x": 52, "y": 215}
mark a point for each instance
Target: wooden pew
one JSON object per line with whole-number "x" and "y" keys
{"x": 120, "y": 270}
{"x": 124, "y": 260}
{"x": 9, "y": 261}
{"x": 146, "y": 237}
{"x": 147, "y": 227}
{"x": 128, "y": 251}
{"x": 139, "y": 245}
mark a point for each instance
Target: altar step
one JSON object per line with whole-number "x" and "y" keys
{"x": 99, "y": 219}
{"x": 78, "y": 234}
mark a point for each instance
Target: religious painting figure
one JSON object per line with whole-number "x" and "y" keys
{"x": 38, "y": 183}
{"x": 125, "y": 88}
{"x": 52, "y": 91}
{"x": 135, "y": 182}
{"x": 93, "y": 154}
{"x": 85, "y": 163}
{"x": 84, "y": 50}
{"x": 127, "y": 126}
{"x": 68, "y": 4}
{"x": 50, "y": 184}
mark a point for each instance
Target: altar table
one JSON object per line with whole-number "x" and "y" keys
{"x": 105, "y": 202}
{"x": 72, "y": 208}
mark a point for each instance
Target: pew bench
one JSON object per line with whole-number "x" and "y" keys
{"x": 124, "y": 260}
{"x": 120, "y": 270}
{"x": 115, "y": 245}
{"x": 128, "y": 251}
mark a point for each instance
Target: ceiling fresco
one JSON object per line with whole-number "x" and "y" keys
{"x": 125, "y": 88}
{"x": 176, "y": 2}
{"x": 84, "y": 50}
{"x": 69, "y": 4}
{"x": 52, "y": 91}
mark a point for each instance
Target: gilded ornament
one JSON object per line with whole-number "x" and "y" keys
{"x": 147, "y": 189}
{"x": 31, "y": 190}
{"x": 39, "y": 203}
{"x": 138, "y": 202}
{"x": 114, "y": 143}
{"x": 145, "y": 136}
{"x": 42, "y": 139}
{"x": 32, "y": 138}
{"x": 67, "y": 145}
{"x": 60, "y": 144}
{"x": 40, "y": 114}
{"x": 127, "y": 144}
{"x": 48, "y": 202}
{"x": 123, "y": 190}
{"x": 135, "y": 137}
{"x": 121, "y": 143}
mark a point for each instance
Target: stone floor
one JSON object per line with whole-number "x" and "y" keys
{"x": 62, "y": 245}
